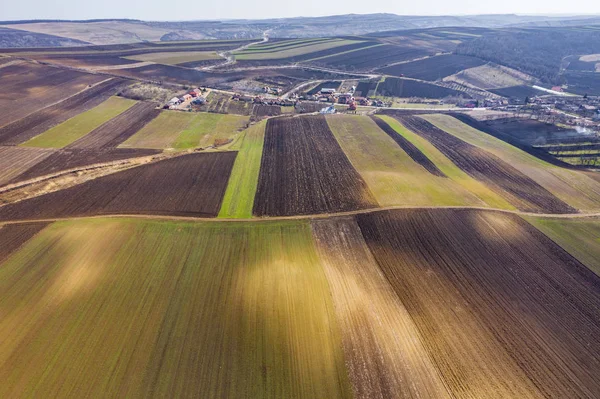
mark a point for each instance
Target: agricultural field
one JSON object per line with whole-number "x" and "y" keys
{"x": 268, "y": 331}
{"x": 394, "y": 177}
{"x": 279, "y": 51}
{"x": 15, "y": 160}
{"x": 421, "y": 303}
{"x": 380, "y": 339}
{"x": 580, "y": 237}
{"x": 187, "y": 130}
{"x": 80, "y": 125}
{"x": 370, "y": 58}
{"x": 520, "y": 92}
{"x": 573, "y": 187}
{"x": 398, "y": 87}
{"x": 260, "y": 111}
{"x": 67, "y": 159}
{"x": 26, "y": 88}
{"x": 243, "y": 182}
{"x": 465, "y": 277}
{"x": 242, "y": 250}
{"x": 119, "y": 128}
{"x": 304, "y": 171}
{"x": 195, "y": 184}
{"x": 433, "y": 68}
{"x": 38, "y": 122}
{"x": 13, "y": 236}
{"x": 175, "y": 58}
{"x": 295, "y": 55}
{"x": 490, "y": 76}
{"x": 516, "y": 187}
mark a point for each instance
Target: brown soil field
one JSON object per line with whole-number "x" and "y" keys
{"x": 27, "y": 87}
{"x": 503, "y": 311}
{"x": 118, "y": 129}
{"x": 40, "y": 121}
{"x": 304, "y": 171}
{"x": 191, "y": 185}
{"x": 12, "y": 236}
{"x": 16, "y": 160}
{"x": 262, "y": 111}
{"x": 409, "y": 148}
{"x": 73, "y": 158}
{"x": 384, "y": 353}
{"x": 520, "y": 190}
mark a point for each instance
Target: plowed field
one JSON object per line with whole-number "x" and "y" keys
{"x": 520, "y": 190}
{"x": 502, "y": 310}
{"x": 38, "y": 122}
{"x": 304, "y": 171}
{"x": 188, "y": 185}
{"x": 12, "y": 236}
{"x": 119, "y": 129}
{"x": 15, "y": 160}
{"x": 384, "y": 354}
{"x": 74, "y": 158}
{"x": 27, "y": 87}
{"x": 409, "y": 148}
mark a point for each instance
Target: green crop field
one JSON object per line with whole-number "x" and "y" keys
{"x": 474, "y": 186}
{"x": 393, "y": 177}
{"x": 239, "y": 197}
{"x": 174, "y": 58}
{"x": 136, "y": 308}
{"x": 574, "y": 187}
{"x": 292, "y": 51}
{"x": 69, "y": 131}
{"x": 185, "y": 130}
{"x": 580, "y": 237}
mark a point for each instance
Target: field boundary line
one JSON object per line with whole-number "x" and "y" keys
{"x": 308, "y": 217}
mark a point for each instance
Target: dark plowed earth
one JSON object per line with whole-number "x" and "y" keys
{"x": 537, "y": 152}
{"x": 13, "y": 236}
{"x": 74, "y": 158}
{"x": 409, "y": 148}
{"x": 118, "y": 129}
{"x": 40, "y": 121}
{"x": 261, "y": 111}
{"x": 305, "y": 171}
{"x": 523, "y": 192}
{"x": 502, "y": 310}
{"x": 189, "y": 185}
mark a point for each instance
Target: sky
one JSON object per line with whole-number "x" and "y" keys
{"x": 160, "y": 10}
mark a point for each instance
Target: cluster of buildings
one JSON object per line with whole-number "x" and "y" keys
{"x": 571, "y": 111}
{"x": 329, "y": 95}
{"x": 195, "y": 95}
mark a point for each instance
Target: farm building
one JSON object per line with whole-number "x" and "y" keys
{"x": 327, "y": 90}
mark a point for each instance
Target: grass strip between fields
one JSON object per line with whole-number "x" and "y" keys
{"x": 476, "y": 187}
{"x": 73, "y": 129}
{"x": 241, "y": 189}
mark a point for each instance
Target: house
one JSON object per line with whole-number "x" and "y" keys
{"x": 186, "y": 97}
{"x": 174, "y": 101}
{"x": 199, "y": 100}
{"x": 557, "y": 89}
{"x": 344, "y": 99}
